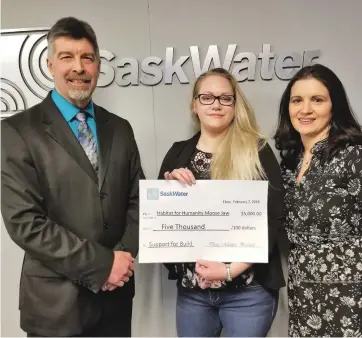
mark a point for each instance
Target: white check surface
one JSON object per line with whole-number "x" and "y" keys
{"x": 215, "y": 220}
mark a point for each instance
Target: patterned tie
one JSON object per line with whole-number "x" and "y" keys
{"x": 86, "y": 139}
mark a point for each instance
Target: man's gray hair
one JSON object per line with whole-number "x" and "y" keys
{"x": 73, "y": 28}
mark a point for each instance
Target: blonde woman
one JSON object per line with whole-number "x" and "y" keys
{"x": 228, "y": 146}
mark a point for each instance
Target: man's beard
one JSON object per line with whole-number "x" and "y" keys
{"x": 80, "y": 94}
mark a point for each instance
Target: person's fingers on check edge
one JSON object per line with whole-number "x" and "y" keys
{"x": 182, "y": 175}
{"x": 190, "y": 175}
{"x": 202, "y": 263}
{"x": 175, "y": 175}
{"x": 168, "y": 176}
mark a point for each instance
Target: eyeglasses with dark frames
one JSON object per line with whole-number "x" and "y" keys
{"x": 209, "y": 99}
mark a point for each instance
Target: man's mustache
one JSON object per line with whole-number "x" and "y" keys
{"x": 80, "y": 78}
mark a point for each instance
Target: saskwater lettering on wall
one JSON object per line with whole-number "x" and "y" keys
{"x": 152, "y": 70}
{"x": 25, "y": 78}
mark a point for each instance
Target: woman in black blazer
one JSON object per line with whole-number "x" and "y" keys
{"x": 240, "y": 298}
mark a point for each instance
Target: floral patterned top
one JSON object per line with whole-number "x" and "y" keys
{"x": 324, "y": 226}
{"x": 200, "y": 167}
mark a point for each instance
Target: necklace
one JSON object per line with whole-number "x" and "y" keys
{"x": 306, "y": 162}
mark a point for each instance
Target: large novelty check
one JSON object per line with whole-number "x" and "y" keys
{"x": 214, "y": 220}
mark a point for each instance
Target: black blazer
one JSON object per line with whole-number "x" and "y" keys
{"x": 269, "y": 274}
{"x": 67, "y": 220}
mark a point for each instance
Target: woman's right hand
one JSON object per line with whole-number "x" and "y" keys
{"x": 183, "y": 175}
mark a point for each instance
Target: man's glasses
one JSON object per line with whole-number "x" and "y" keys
{"x": 208, "y": 99}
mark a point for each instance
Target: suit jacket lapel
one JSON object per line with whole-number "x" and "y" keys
{"x": 57, "y": 128}
{"x": 184, "y": 156}
{"x": 105, "y": 137}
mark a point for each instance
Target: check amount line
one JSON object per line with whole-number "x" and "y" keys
{"x": 192, "y": 230}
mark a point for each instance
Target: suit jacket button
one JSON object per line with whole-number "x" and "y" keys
{"x": 103, "y": 195}
{"x": 105, "y": 225}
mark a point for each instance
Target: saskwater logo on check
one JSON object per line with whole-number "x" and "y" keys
{"x": 155, "y": 193}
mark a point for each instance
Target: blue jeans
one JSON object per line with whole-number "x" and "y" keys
{"x": 246, "y": 312}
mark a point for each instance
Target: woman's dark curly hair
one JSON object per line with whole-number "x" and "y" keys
{"x": 344, "y": 128}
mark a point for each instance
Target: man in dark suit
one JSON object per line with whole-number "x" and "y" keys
{"x": 70, "y": 173}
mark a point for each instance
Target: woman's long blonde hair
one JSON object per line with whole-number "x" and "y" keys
{"x": 237, "y": 157}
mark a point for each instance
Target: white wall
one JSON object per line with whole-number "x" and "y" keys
{"x": 160, "y": 115}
